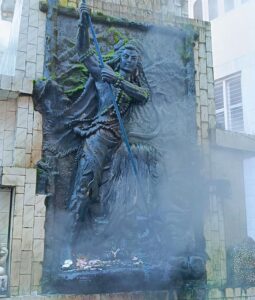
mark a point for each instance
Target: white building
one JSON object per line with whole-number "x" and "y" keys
{"x": 233, "y": 45}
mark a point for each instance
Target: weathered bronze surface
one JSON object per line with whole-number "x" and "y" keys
{"x": 106, "y": 229}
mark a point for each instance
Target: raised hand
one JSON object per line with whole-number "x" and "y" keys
{"x": 84, "y": 9}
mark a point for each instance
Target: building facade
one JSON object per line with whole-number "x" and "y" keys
{"x": 233, "y": 61}
{"x": 233, "y": 57}
{"x": 23, "y": 211}
{"x": 21, "y": 62}
{"x": 234, "y": 50}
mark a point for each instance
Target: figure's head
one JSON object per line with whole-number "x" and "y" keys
{"x": 127, "y": 57}
{"x": 130, "y": 56}
{"x": 129, "y": 60}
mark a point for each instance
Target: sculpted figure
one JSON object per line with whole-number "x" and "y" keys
{"x": 97, "y": 211}
{"x": 89, "y": 127}
{"x": 101, "y": 132}
{"x": 98, "y": 214}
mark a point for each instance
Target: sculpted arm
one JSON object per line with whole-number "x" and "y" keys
{"x": 140, "y": 94}
{"x": 83, "y": 45}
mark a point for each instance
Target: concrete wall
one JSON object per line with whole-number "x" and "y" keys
{"x": 249, "y": 179}
{"x": 234, "y": 51}
{"x": 225, "y": 219}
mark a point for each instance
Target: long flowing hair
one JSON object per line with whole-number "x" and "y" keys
{"x": 138, "y": 77}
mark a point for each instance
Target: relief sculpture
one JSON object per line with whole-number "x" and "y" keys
{"x": 116, "y": 216}
{"x": 100, "y": 129}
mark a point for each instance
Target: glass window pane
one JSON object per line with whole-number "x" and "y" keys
{"x": 228, "y": 102}
{"x": 228, "y": 5}
{"x": 234, "y": 92}
{"x": 218, "y": 93}
{"x": 213, "y": 9}
{"x": 220, "y": 120}
{"x": 236, "y": 115}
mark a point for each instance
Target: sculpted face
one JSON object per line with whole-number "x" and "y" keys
{"x": 129, "y": 60}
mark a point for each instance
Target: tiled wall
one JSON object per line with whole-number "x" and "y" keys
{"x": 27, "y": 236}
{"x": 5, "y": 205}
{"x": 214, "y": 230}
{"x": 20, "y": 133}
{"x": 7, "y": 131}
{"x": 204, "y": 83}
{"x": 138, "y": 10}
{"x": 20, "y": 150}
{"x": 232, "y": 294}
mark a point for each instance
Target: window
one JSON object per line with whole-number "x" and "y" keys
{"x": 5, "y": 211}
{"x": 228, "y": 103}
{"x": 228, "y": 5}
{"x": 198, "y": 10}
{"x": 213, "y": 9}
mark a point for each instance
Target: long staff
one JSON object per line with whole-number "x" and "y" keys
{"x": 122, "y": 128}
